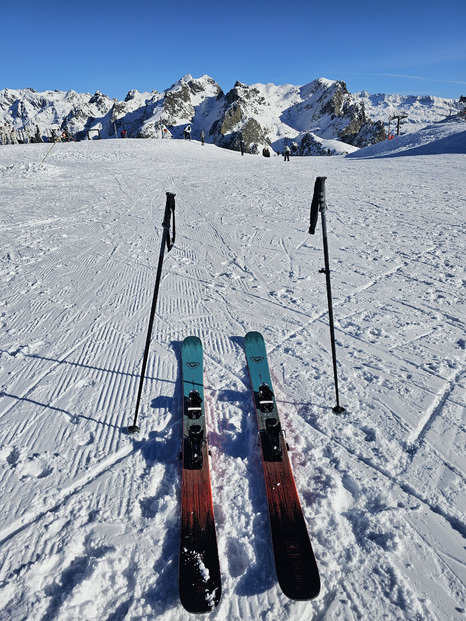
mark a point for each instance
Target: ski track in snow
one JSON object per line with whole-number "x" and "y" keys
{"x": 90, "y": 518}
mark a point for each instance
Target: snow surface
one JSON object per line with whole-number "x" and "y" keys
{"x": 90, "y": 515}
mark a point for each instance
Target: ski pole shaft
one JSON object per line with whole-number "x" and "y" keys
{"x": 319, "y": 197}
{"x": 169, "y": 215}
{"x": 43, "y": 159}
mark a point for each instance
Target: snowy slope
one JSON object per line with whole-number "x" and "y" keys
{"x": 89, "y": 525}
{"x": 447, "y": 136}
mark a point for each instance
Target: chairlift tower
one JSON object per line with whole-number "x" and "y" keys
{"x": 398, "y": 116}
{"x": 463, "y": 101}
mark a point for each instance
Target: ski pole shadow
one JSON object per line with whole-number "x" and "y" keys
{"x": 238, "y": 340}
{"x": 74, "y": 418}
{"x": 163, "y": 447}
{"x": 81, "y": 365}
{"x": 259, "y": 576}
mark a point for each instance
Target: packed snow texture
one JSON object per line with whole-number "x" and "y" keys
{"x": 90, "y": 515}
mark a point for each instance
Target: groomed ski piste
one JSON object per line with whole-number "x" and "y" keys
{"x": 90, "y": 519}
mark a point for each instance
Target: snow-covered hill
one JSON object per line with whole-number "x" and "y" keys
{"x": 89, "y": 526}
{"x": 447, "y": 136}
{"x": 319, "y": 118}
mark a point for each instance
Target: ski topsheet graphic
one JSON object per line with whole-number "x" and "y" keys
{"x": 295, "y": 563}
{"x": 199, "y": 571}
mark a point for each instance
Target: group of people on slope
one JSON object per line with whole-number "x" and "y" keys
{"x": 187, "y": 134}
{"x": 286, "y": 153}
{"x": 242, "y": 147}
{"x": 9, "y": 135}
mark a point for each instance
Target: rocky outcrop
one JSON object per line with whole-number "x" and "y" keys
{"x": 238, "y": 120}
{"x": 309, "y": 145}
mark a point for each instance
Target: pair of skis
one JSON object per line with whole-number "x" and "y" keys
{"x": 199, "y": 577}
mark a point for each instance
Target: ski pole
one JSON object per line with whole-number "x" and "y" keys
{"x": 167, "y": 241}
{"x": 43, "y": 159}
{"x": 319, "y": 204}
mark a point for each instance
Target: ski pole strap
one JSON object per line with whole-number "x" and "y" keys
{"x": 169, "y": 220}
{"x": 318, "y": 203}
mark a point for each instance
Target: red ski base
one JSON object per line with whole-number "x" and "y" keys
{"x": 295, "y": 563}
{"x": 199, "y": 573}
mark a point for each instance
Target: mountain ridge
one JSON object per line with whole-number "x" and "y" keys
{"x": 317, "y": 118}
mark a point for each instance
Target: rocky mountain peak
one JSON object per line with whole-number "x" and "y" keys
{"x": 312, "y": 118}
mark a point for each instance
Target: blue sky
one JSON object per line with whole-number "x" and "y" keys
{"x": 410, "y": 47}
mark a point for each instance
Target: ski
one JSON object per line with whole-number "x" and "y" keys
{"x": 199, "y": 569}
{"x": 295, "y": 563}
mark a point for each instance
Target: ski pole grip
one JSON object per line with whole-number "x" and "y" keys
{"x": 169, "y": 207}
{"x": 320, "y": 189}
{"x": 169, "y": 217}
{"x": 318, "y": 203}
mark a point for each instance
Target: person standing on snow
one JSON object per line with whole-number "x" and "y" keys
{"x": 202, "y": 137}
{"x": 187, "y": 132}
{"x": 286, "y": 154}
{"x": 38, "y": 137}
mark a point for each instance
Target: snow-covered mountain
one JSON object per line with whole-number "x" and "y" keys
{"x": 90, "y": 516}
{"x": 420, "y": 111}
{"x": 319, "y": 118}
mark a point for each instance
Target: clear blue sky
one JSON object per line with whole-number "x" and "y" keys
{"x": 409, "y": 47}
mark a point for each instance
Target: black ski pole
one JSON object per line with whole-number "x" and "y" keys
{"x": 167, "y": 241}
{"x": 319, "y": 204}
